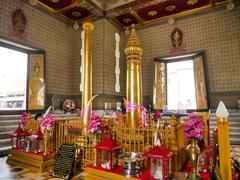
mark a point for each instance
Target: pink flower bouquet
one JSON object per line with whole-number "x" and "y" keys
{"x": 95, "y": 124}
{"x": 24, "y": 118}
{"x": 157, "y": 115}
{"x": 193, "y": 127}
{"x": 47, "y": 122}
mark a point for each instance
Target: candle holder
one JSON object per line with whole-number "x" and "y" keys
{"x": 46, "y": 138}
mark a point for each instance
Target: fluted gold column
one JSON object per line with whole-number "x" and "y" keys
{"x": 87, "y": 68}
{"x": 133, "y": 53}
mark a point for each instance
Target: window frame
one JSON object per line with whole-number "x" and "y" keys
{"x": 20, "y": 47}
{"x": 195, "y": 54}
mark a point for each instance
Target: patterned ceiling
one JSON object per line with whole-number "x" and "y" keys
{"x": 125, "y": 12}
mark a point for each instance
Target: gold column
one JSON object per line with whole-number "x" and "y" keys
{"x": 224, "y": 148}
{"x": 87, "y": 69}
{"x": 133, "y": 53}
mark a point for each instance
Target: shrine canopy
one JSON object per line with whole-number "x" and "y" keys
{"x": 159, "y": 152}
{"x": 108, "y": 144}
{"x": 18, "y": 132}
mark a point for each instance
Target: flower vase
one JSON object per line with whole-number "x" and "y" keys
{"x": 193, "y": 154}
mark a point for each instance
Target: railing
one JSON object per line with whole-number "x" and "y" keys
{"x": 70, "y": 130}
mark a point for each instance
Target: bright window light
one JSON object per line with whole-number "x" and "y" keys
{"x": 181, "y": 85}
{"x": 13, "y": 79}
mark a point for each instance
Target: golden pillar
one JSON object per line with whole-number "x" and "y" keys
{"x": 133, "y": 53}
{"x": 224, "y": 148}
{"x": 87, "y": 69}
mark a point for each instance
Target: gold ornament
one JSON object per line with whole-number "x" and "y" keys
{"x": 76, "y": 14}
{"x": 191, "y": 2}
{"x": 170, "y": 8}
{"x": 193, "y": 154}
{"x": 152, "y": 13}
{"x": 127, "y": 20}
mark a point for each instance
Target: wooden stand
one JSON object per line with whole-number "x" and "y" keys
{"x": 36, "y": 162}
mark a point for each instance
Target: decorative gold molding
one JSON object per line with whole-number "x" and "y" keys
{"x": 170, "y": 8}
{"x": 152, "y": 13}
{"x": 180, "y": 14}
{"x": 76, "y": 14}
{"x": 222, "y": 120}
{"x": 54, "y": 1}
{"x": 88, "y": 26}
{"x": 127, "y": 20}
{"x": 192, "y": 2}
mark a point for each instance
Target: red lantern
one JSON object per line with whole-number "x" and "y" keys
{"x": 37, "y": 141}
{"x": 107, "y": 153}
{"x": 18, "y": 137}
{"x": 160, "y": 162}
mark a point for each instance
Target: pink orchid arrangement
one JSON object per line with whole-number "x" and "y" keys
{"x": 95, "y": 124}
{"x": 193, "y": 127}
{"x": 24, "y": 118}
{"x": 157, "y": 115}
{"x": 47, "y": 122}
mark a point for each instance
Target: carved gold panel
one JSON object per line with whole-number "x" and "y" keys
{"x": 36, "y": 86}
{"x": 159, "y": 86}
{"x": 200, "y": 85}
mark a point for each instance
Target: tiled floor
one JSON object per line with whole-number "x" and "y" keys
{"x": 8, "y": 172}
{"x": 235, "y": 152}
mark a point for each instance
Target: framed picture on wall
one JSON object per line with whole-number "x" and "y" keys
{"x": 36, "y": 81}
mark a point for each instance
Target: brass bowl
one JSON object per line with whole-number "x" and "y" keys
{"x": 132, "y": 164}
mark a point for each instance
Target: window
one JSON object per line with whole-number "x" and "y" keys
{"x": 22, "y": 78}
{"x": 180, "y": 83}
{"x": 13, "y": 79}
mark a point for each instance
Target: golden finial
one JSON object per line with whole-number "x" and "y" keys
{"x": 88, "y": 25}
{"x": 133, "y": 48}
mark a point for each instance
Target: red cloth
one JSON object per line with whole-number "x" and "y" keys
{"x": 145, "y": 175}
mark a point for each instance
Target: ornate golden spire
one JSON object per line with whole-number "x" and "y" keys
{"x": 133, "y": 53}
{"x": 133, "y": 49}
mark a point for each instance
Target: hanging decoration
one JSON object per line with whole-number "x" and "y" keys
{"x": 143, "y": 116}
{"x": 17, "y": 25}
{"x": 177, "y": 40}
